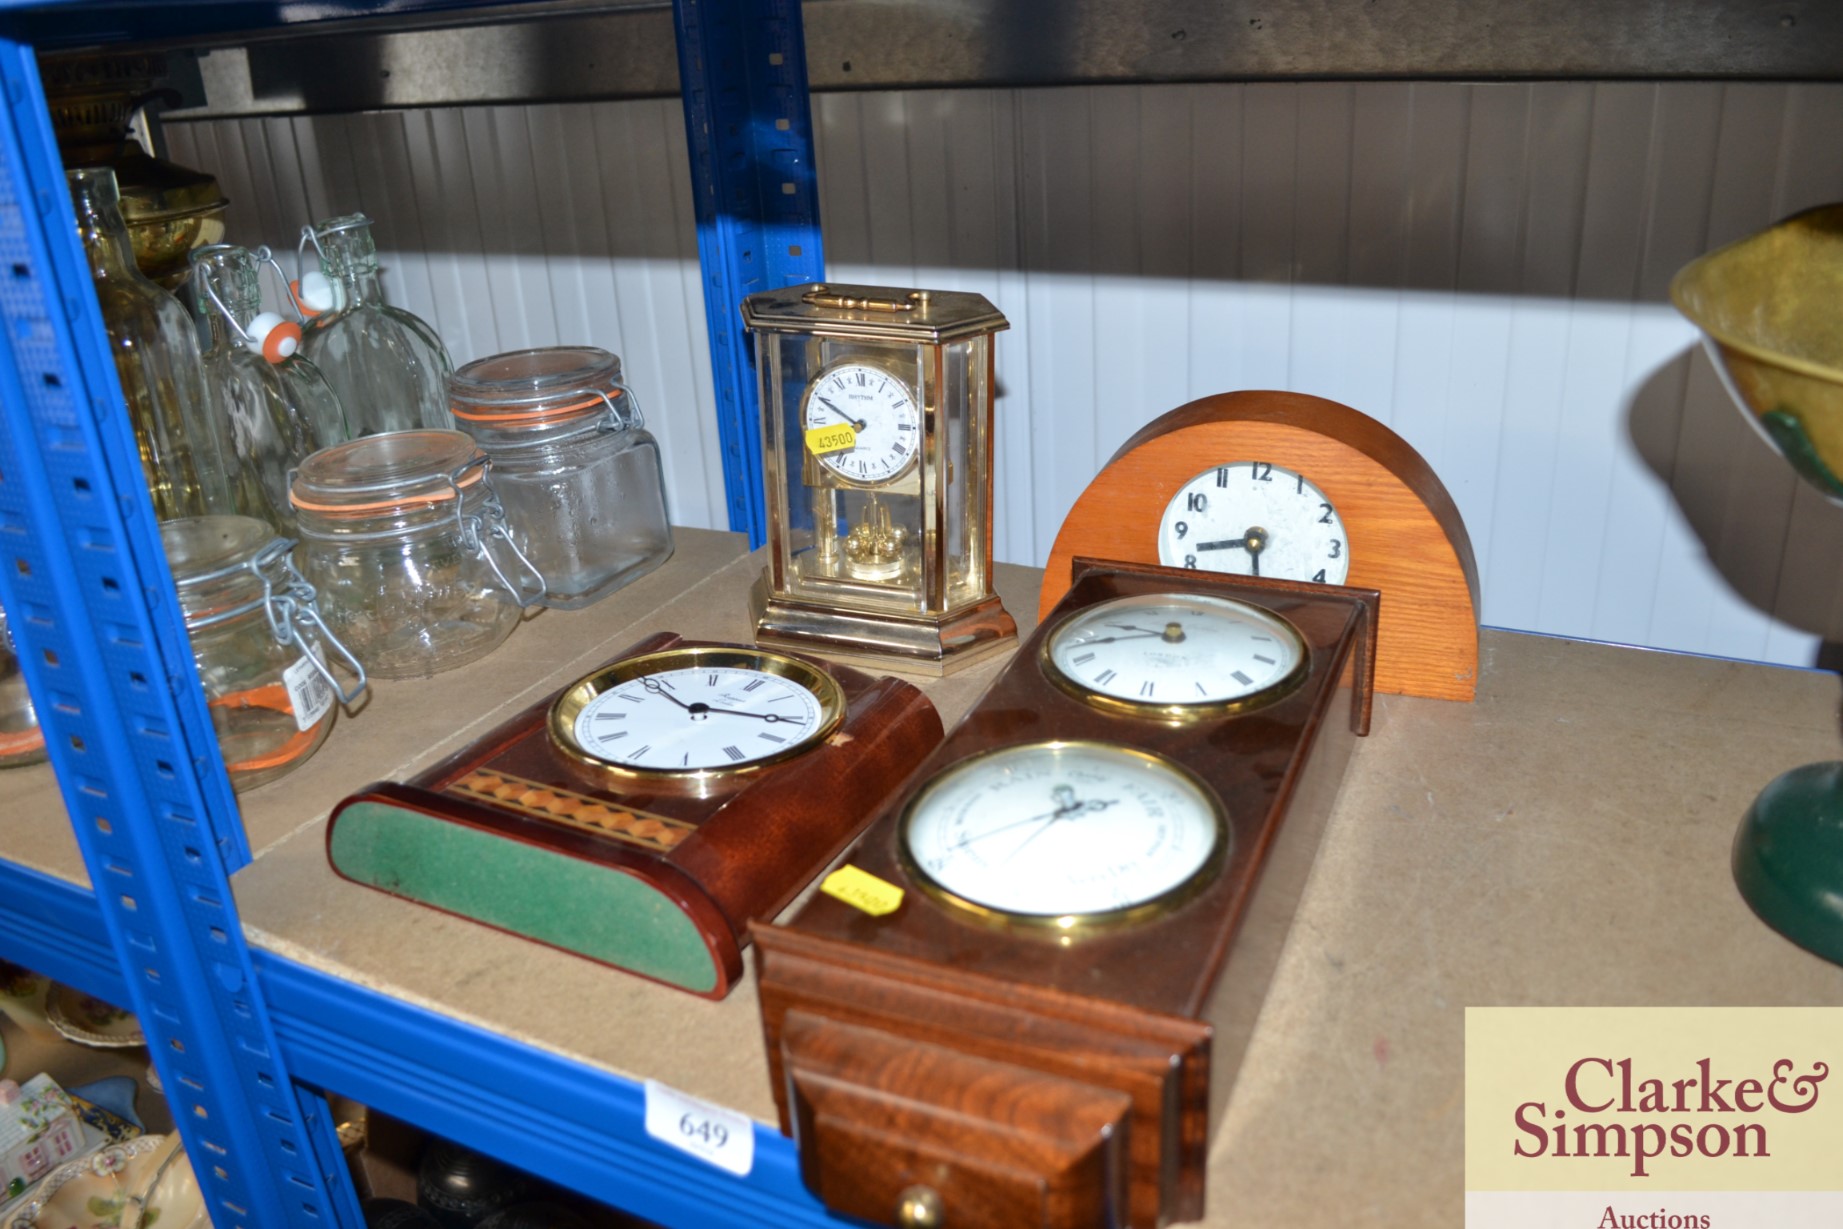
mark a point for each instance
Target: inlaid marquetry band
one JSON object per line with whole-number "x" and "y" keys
{"x": 574, "y": 810}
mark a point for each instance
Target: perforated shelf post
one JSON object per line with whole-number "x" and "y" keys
{"x": 105, "y": 652}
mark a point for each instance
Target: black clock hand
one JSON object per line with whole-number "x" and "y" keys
{"x": 857, "y": 424}
{"x": 737, "y": 712}
{"x": 660, "y": 689}
{"x": 1254, "y": 542}
{"x": 1065, "y": 798}
{"x": 1081, "y": 808}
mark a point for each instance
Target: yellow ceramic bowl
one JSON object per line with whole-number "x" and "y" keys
{"x": 1770, "y": 308}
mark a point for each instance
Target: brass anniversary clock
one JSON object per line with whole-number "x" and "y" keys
{"x": 1097, "y": 870}
{"x": 877, "y": 454}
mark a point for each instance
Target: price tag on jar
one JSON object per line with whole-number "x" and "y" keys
{"x": 709, "y": 1132}
{"x": 309, "y": 694}
{"x": 823, "y": 440}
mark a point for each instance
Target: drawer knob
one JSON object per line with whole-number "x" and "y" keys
{"x": 919, "y": 1207}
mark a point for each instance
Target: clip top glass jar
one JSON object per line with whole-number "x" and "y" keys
{"x": 259, "y": 642}
{"x": 578, "y": 472}
{"x": 408, "y": 546}
{"x": 386, "y": 365}
{"x": 278, "y": 406}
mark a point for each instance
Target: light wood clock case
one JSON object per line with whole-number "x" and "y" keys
{"x": 1098, "y": 867}
{"x": 643, "y": 815}
{"x": 1289, "y": 486}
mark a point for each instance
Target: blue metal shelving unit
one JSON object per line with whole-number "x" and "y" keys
{"x": 243, "y": 1040}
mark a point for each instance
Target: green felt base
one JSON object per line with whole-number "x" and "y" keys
{"x": 1788, "y": 857}
{"x": 579, "y": 906}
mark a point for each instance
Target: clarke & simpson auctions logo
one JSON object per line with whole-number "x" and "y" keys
{"x": 1609, "y": 1107}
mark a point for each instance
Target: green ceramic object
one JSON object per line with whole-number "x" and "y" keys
{"x": 1788, "y": 857}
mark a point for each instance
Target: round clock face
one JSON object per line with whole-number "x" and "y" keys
{"x": 1254, "y": 519}
{"x": 1064, "y": 834}
{"x": 696, "y": 712}
{"x": 1176, "y": 655}
{"x": 879, "y": 409}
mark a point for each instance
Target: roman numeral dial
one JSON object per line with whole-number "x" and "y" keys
{"x": 884, "y": 417}
{"x": 696, "y": 711}
{"x": 1176, "y": 655}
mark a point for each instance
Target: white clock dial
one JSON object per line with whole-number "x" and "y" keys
{"x": 1186, "y": 650}
{"x": 1254, "y": 519}
{"x": 879, "y": 408}
{"x": 1064, "y": 832}
{"x": 698, "y": 719}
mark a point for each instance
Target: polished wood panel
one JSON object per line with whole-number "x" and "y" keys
{"x": 1153, "y": 1011}
{"x": 1406, "y": 537}
{"x": 1005, "y": 1146}
{"x": 736, "y": 848}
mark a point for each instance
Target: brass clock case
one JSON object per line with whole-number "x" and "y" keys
{"x": 578, "y": 695}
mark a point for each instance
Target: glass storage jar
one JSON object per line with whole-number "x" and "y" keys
{"x": 21, "y": 741}
{"x": 259, "y": 642}
{"x": 408, "y": 547}
{"x": 573, "y": 462}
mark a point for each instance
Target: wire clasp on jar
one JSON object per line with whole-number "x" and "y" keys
{"x": 492, "y": 518}
{"x": 291, "y": 607}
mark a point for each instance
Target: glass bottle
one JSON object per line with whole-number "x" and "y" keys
{"x": 574, "y": 464}
{"x": 407, "y": 544}
{"x": 388, "y": 368}
{"x": 21, "y": 741}
{"x": 259, "y": 643}
{"x": 184, "y": 454}
{"x": 279, "y": 412}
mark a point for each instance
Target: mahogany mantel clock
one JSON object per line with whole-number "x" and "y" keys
{"x": 643, "y": 815}
{"x": 1098, "y": 868}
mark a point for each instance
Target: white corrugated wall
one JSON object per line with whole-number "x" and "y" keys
{"x": 1482, "y": 266}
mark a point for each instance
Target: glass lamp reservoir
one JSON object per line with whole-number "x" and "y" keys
{"x": 877, "y": 456}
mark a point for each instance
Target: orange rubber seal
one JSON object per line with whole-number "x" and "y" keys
{"x": 273, "y": 697}
{"x": 21, "y": 743}
{"x": 434, "y": 497}
{"x": 550, "y": 412}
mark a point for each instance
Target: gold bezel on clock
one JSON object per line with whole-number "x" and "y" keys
{"x": 858, "y": 359}
{"x": 1068, "y": 928}
{"x": 1176, "y": 714}
{"x": 577, "y": 696}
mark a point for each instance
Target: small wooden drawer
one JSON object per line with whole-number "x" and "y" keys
{"x": 899, "y": 1132}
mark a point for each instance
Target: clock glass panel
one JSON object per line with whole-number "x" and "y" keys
{"x": 1251, "y": 518}
{"x": 696, "y": 711}
{"x": 1064, "y": 834}
{"x": 1176, "y": 651}
{"x": 882, "y": 413}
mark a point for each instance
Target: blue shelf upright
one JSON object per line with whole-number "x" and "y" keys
{"x": 742, "y": 68}
{"x": 105, "y": 652}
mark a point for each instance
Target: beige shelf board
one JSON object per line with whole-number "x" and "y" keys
{"x": 293, "y": 904}
{"x": 395, "y": 726}
{"x": 34, "y": 828}
{"x": 1562, "y": 840}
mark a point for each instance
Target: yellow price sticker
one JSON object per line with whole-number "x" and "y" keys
{"x": 821, "y": 440}
{"x": 862, "y": 890}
